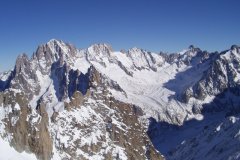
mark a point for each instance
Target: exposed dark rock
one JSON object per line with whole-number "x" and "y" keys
{"x": 58, "y": 74}
{"x": 234, "y": 47}
{"x": 78, "y": 82}
{"x": 25, "y": 136}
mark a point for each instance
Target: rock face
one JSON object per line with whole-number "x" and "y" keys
{"x": 222, "y": 75}
{"x": 27, "y": 128}
{"x": 222, "y": 141}
{"x": 66, "y": 103}
{"x": 101, "y": 127}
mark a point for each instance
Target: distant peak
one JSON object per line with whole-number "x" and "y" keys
{"x": 123, "y": 51}
{"x": 100, "y": 47}
{"x": 191, "y": 47}
{"x": 194, "y": 48}
{"x": 23, "y": 56}
{"x": 54, "y": 49}
{"x": 134, "y": 49}
{"x": 234, "y": 47}
{"x": 22, "y": 60}
{"x": 54, "y": 41}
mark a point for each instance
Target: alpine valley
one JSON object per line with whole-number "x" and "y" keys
{"x": 97, "y": 104}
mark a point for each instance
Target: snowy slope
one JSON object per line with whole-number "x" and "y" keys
{"x": 218, "y": 141}
{"x": 9, "y": 153}
{"x": 149, "y": 85}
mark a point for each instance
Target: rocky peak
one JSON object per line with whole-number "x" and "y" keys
{"x": 99, "y": 51}
{"x": 194, "y": 48}
{"x": 193, "y": 56}
{"x": 191, "y": 47}
{"x": 141, "y": 59}
{"x": 56, "y": 45}
{"x": 135, "y": 49}
{"x": 170, "y": 58}
{"x": 21, "y": 62}
{"x": 64, "y": 48}
{"x": 233, "y": 47}
{"x": 192, "y": 51}
{"x": 222, "y": 74}
{"x": 136, "y": 52}
{"x": 53, "y": 50}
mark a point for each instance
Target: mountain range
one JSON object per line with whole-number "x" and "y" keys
{"x": 97, "y": 103}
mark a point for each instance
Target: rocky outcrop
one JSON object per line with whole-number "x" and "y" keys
{"x": 221, "y": 75}
{"x": 135, "y": 139}
{"x": 24, "y": 76}
{"x": 27, "y": 130}
{"x": 98, "y": 51}
{"x": 216, "y": 141}
{"x": 109, "y": 125}
{"x": 144, "y": 60}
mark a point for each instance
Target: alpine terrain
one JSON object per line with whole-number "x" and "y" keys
{"x": 96, "y": 103}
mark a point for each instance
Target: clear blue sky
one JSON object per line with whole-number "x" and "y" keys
{"x": 166, "y": 25}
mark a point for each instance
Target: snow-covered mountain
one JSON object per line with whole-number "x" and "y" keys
{"x": 96, "y": 103}
{"x": 217, "y": 141}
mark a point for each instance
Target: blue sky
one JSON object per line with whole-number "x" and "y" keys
{"x": 155, "y": 25}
